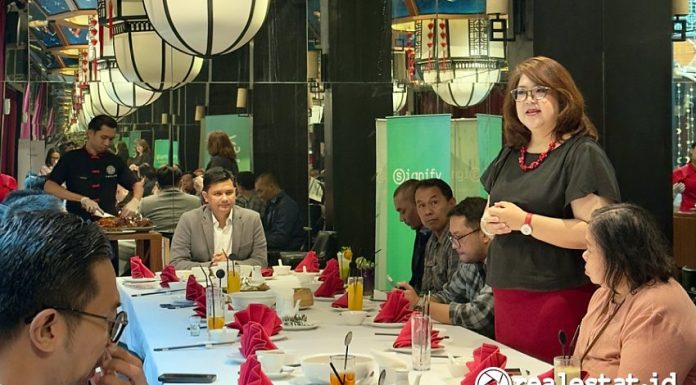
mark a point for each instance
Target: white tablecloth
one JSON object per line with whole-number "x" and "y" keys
{"x": 151, "y": 326}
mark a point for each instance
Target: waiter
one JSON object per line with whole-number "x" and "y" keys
{"x": 91, "y": 174}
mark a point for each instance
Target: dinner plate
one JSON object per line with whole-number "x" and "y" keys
{"x": 126, "y": 230}
{"x": 308, "y": 326}
{"x": 279, "y": 337}
{"x": 408, "y": 350}
{"x": 384, "y": 325}
{"x": 324, "y": 299}
{"x": 235, "y": 356}
{"x": 278, "y": 376}
{"x": 139, "y": 280}
{"x": 366, "y": 307}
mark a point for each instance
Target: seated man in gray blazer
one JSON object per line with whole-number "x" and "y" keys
{"x": 168, "y": 205}
{"x": 204, "y": 235}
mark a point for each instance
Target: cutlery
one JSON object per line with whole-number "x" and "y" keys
{"x": 157, "y": 292}
{"x": 205, "y": 345}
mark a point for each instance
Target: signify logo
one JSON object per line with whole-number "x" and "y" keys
{"x": 400, "y": 175}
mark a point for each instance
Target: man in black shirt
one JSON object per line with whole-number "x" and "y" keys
{"x": 91, "y": 174}
{"x": 282, "y": 220}
{"x": 405, "y": 204}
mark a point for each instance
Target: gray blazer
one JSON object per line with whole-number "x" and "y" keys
{"x": 193, "y": 244}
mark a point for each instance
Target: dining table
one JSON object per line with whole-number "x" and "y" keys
{"x": 152, "y": 327}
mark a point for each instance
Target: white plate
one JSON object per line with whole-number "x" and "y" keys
{"x": 278, "y": 376}
{"x": 384, "y": 325}
{"x": 235, "y": 356}
{"x": 309, "y": 326}
{"x": 366, "y": 307}
{"x": 182, "y": 302}
{"x": 139, "y": 280}
{"x": 142, "y": 286}
{"x": 325, "y": 299}
{"x": 408, "y": 350}
{"x": 279, "y": 337}
{"x": 272, "y": 277}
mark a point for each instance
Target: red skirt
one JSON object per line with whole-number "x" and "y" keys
{"x": 529, "y": 321}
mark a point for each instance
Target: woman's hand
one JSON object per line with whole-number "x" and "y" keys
{"x": 504, "y": 217}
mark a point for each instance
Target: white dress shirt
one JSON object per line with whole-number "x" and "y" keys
{"x": 222, "y": 238}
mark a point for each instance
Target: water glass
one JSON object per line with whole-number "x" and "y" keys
{"x": 195, "y": 325}
{"x": 565, "y": 369}
{"x": 215, "y": 307}
{"x": 421, "y": 327}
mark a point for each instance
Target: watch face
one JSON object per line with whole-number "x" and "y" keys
{"x": 526, "y": 229}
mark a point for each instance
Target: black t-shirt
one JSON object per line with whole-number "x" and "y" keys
{"x": 224, "y": 162}
{"x": 576, "y": 168}
{"x": 94, "y": 176}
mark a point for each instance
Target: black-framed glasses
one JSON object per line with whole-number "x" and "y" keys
{"x": 536, "y": 93}
{"x": 457, "y": 239}
{"x": 116, "y": 325}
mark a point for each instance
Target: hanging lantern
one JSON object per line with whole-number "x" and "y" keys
{"x": 456, "y": 57}
{"x": 399, "y": 97}
{"x": 120, "y": 90}
{"x": 102, "y": 104}
{"x": 147, "y": 60}
{"x": 206, "y": 28}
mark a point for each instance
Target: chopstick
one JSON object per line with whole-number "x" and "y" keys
{"x": 157, "y": 292}
{"x": 205, "y": 345}
{"x": 396, "y": 335}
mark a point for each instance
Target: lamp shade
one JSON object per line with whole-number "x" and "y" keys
{"x": 399, "y": 96}
{"x": 102, "y": 104}
{"x": 120, "y": 90}
{"x": 147, "y": 60}
{"x": 680, "y": 7}
{"x": 206, "y": 28}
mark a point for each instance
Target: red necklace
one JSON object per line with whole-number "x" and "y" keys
{"x": 540, "y": 159}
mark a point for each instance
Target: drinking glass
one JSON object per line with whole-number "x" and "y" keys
{"x": 421, "y": 327}
{"x": 355, "y": 293}
{"x": 565, "y": 368}
{"x": 345, "y": 366}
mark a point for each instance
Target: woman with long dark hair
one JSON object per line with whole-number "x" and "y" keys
{"x": 52, "y": 157}
{"x": 222, "y": 153}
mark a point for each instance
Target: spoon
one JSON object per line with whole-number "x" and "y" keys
{"x": 382, "y": 377}
{"x": 451, "y": 358}
{"x": 562, "y": 340}
{"x": 338, "y": 376}
{"x": 346, "y": 341}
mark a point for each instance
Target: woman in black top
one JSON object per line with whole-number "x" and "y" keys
{"x": 543, "y": 187}
{"x": 143, "y": 155}
{"x": 222, "y": 153}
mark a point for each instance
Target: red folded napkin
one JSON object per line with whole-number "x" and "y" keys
{"x": 267, "y": 271}
{"x": 395, "y": 309}
{"x": 310, "y": 261}
{"x": 200, "y": 308}
{"x": 550, "y": 375}
{"x": 486, "y": 356}
{"x": 193, "y": 289}
{"x": 250, "y": 373}
{"x": 341, "y": 302}
{"x": 254, "y": 338}
{"x": 258, "y": 313}
{"x": 404, "y": 339}
{"x": 138, "y": 269}
{"x": 330, "y": 269}
{"x": 330, "y": 287}
{"x": 167, "y": 275}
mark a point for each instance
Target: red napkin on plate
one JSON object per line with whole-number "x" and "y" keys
{"x": 330, "y": 287}
{"x": 250, "y": 373}
{"x": 200, "y": 308}
{"x": 395, "y": 309}
{"x": 267, "y": 271}
{"x": 330, "y": 269}
{"x": 138, "y": 269}
{"x": 167, "y": 275}
{"x": 549, "y": 374}
{"x": 404, "y": 338}
{"x": 341, "y": 302}
{"x": 193, "y": 289}
{"x": 486, "y": 356}
{"x": 257, "y": 313}
{"x": 310, "y": 261}
{"x": 254, "y": 338}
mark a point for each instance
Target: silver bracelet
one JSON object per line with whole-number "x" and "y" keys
{"x": 483, "y": 229}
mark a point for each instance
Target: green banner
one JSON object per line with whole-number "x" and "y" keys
{"x": 133, "y": 137}
{"x": 418, "y": 147}
{"x": 162, "y": 153}
{"x": 238, "y": 128}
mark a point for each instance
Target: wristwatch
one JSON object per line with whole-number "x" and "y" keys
{"x": 526, "y": 228}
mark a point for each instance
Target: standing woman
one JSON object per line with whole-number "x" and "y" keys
{"x": 143, "y": 155}
{"x": 543, "y": 187}
{"x": 222, "y": 153}
{"x": 52, "y": 157}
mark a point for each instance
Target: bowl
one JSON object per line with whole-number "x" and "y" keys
{"x": 183, "y": 274}
{"x": 224, "y": 335}
{"x": 305, "y": 278}
{"x": 281, "y": 270}
{"x": 354, "y": 317}
{"x": 242, "y": 299}
{"x": 181, "y": 285}
{"x": 458, "y": 369}
{"x": 317, "y": 370}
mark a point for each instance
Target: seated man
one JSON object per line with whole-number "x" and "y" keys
{"x": 218, "y": 229}
{"x": 166, "y": 206}
{"x": 465, "y": 300}
{"x": 405, "y": 204}
{"x": 59, "y": 317}
{"x": 282, "y": 221}
{"x": 246, "y": 196}
{"x": 434, "y": 199}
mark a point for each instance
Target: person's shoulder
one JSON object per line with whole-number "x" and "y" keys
{"x": 193, "y": 215}
{"x": 245, "y": 213}
{"x": 664, "y": 298}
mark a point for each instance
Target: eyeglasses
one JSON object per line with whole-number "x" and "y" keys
{"x": 537, "y": 93}
{"x": 457, "y": 239}
{"x": 116, "y": 325}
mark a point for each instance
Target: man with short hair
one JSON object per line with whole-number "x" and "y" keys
{"x": 434, "y": 199}
{"x": 59, "y": 317}
{"x": 246, "y": 196}
{"x": 405, "y": 204}
{"x": 166, "y": 206}
{"x": 282, "y": 221}
{"x": 219, "y": 229}
{"x": 31, "y": 201}
{"x": 465, "y": 300}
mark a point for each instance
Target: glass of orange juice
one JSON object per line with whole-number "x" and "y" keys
{"x": 355, "y": 293}
{"x": 234, "y": 282}
{"x": 345, "y": 366}
{"x": 215, "y": 307}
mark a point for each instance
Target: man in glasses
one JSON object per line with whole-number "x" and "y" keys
{"x": 465, "y": 300}
{"x": 59, "y": 317}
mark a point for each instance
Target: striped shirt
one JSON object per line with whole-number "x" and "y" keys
{"x": 441, "y": 262}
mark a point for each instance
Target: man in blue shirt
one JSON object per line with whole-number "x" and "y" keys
{"x": 405, "y": 204}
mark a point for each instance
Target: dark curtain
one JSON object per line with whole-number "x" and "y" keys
{"x": 8, "y": 137}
